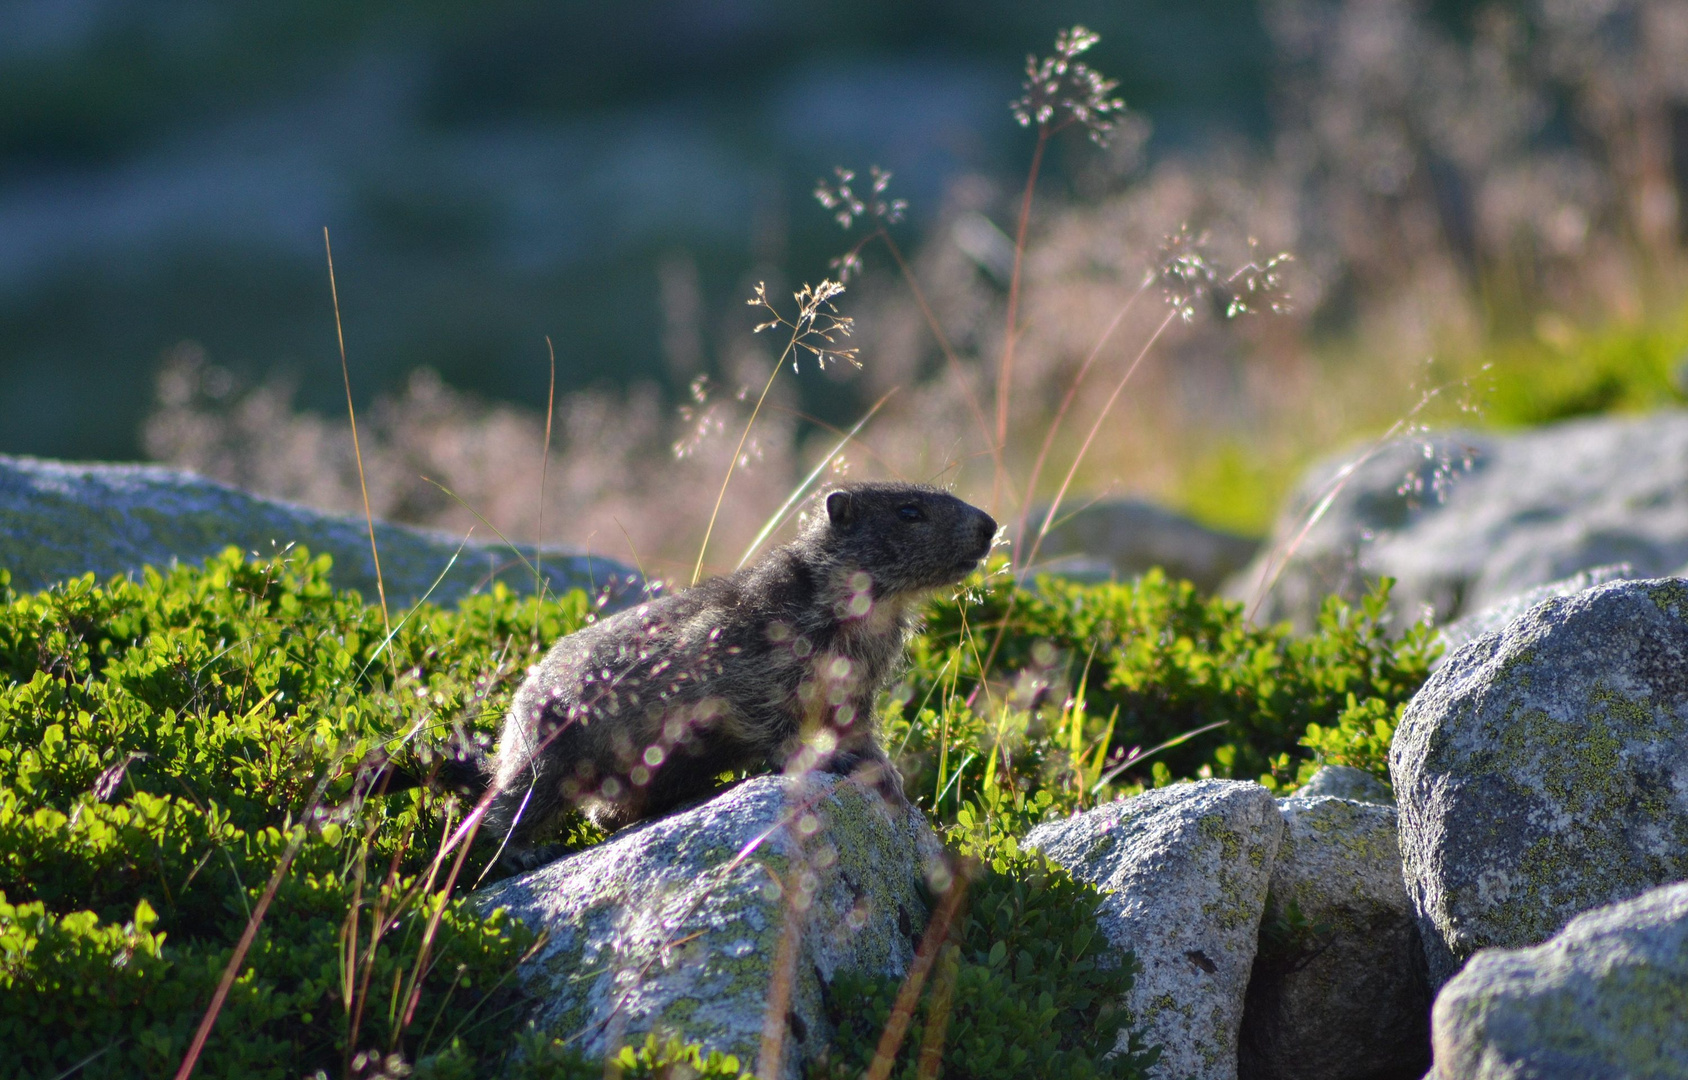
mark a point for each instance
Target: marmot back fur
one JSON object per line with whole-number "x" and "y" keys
{"x": 777, "y": 665}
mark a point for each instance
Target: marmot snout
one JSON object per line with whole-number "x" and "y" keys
{"x": 777, "y": 665}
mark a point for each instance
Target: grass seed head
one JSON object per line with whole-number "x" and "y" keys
{"x": 1061, "y": 91}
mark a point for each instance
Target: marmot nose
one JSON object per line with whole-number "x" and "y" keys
{"x": 985, "y": 531}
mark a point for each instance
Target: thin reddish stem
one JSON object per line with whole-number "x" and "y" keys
{"x": 908, "y": 994}
{"x": 1005, "y": 373}
{"x": 420, "y": 970}
{"x": 1084, "y": 448}
{"x": 1013, "y": 595}
{"x": 956, "y": 367}
{"x": 1066, "y": 403}
{"x": 232, "y": 970}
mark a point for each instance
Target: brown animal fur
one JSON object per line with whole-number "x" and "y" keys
{"x": 777, "y": 665}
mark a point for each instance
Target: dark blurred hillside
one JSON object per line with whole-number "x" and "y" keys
{"x": 610, "y": 174}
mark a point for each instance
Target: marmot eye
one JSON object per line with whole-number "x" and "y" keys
{"x": 911, "y": 512}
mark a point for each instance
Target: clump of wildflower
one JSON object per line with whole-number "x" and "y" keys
{"x": 1187, "y": 274}
{"x": 702, "y": 419}
{"x": 849, "y": 206}
{"x": 842, "y": 199}
{"x": 1062, "y": 91}
{"x": 816, "y": 328}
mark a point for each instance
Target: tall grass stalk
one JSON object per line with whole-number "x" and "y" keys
{"x": 1280, "y": 557}
{"x": 1060, "y": 416}
{"x": 255, "y": 917}
{"x": 1090, "y": 436}
{"x": 1060, "y": 92}
{"x": 1010, "y": 330}
{"x": 352, "y": 416}
{"x": 908, "y": 994}
{"x": 539, "y": 587}
{"x": 1072, "y": 470}
{"x": 815, "y": 329}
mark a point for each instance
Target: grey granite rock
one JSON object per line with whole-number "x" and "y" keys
{"x": 1543, "y": 771}
{"x": 1339, "y": 989}
{"x": 1186, "y": 868}
{"x": 1464, "y": 521}
{"x": 1343, "y": 782}
{"x": 692, "y": 924}
{"x": 1118, "y": 539}
{"x": 62, "y": 519}
{"x": 1606, "y": 999}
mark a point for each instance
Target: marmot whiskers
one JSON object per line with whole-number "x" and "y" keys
{"x": 776, "y": 665}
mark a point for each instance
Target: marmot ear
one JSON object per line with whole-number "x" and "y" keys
{"x": 841, "y": 509}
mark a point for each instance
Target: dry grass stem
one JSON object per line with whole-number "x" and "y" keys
{"x": 352, "y": 417}
{"x": 816, "y": 329}
{"x": 908, "y": 994}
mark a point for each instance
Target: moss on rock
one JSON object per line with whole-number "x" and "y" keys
{"x": 1536, "y": 770}
{"x": 1605, "y": 997}
{"x": 676, "y": 926}
{"x": 1187, "y": 866}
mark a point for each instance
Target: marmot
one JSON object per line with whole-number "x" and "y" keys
{"x": 776, "y": 665}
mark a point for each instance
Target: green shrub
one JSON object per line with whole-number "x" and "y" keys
{"x": 1359, "y": 739}
{"x": 540, "y": 1057}
{"x": 162, "y": 742}
{"x": 165, "y": 742}
{"x": 1083, "y": 675}
{"x": 1613, "y": 369}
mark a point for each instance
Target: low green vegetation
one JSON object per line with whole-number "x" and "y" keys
{"x": 1563, "y": 372}
{"x": 163, "y": 744}
{"x": 1090, "y": 677}
{"x": 181, "y": 751}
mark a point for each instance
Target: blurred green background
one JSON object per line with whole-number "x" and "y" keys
{"x": 493, "y": 173}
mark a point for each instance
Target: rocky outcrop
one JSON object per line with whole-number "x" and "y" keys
{"x": 1540, "y": 771}
{"x": 1338, "y": 990}
{"x": 1464, "y": 521}
{"x": 1606, "y": 997}
{"x": 61, "y": 519}
{"x": 1119, "y": 539}
{"x": 722, "y": 923}
{"x": 1186, "y": 869}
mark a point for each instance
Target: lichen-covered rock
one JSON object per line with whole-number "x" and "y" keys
{"x": 1346, "y": 782}
{"x": 713, "y": 922}
{"x": 61, "y": 519}
{"x": 1339, "y": 989}
{"x": 1186, "y": 869}
{"x": 1463, "y": 521}
{"x": 1606, "y": 999}
{"x": 1543, "y": 770}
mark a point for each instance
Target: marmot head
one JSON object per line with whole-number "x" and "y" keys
{"x": 905, "y": 537}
